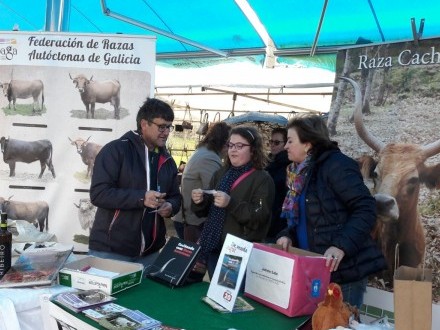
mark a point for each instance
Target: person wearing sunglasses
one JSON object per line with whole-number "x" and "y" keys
{"x": 238, "y": 200}
{"x": 134, "y": 185}
{"x": 277, "y": 169}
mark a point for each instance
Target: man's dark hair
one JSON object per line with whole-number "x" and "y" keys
{"x": 216, "y": 137}
{"x": 154, "y": 108}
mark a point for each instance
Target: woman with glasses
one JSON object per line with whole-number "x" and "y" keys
{"x": 277, "y": 169}
{"x": 134, "y": 185}
{"x": 329, "y": 209}
{"x": 239, "y": 198}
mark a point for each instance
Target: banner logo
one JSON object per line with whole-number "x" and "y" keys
{"x": 7, "y": 51}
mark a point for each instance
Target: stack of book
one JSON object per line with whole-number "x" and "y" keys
{"x": 100, "y": 307}
{"x": 80, "y": 300}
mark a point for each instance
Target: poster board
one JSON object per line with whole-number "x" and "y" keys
{"x": 52, "y": 62}
{"x": 399, "y": 89}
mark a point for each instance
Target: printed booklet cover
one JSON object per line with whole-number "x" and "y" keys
{"x": 175, "y": 262}
{"x": 80, "y": 300}
{"x": 228, "y": 275}
{"x": 130, "y": 319}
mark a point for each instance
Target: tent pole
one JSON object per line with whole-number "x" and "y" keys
{"x": 321, "y": 19}
{"x": 129, "y": 20}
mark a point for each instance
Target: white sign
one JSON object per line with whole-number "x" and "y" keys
{"x": 228, "y": 275}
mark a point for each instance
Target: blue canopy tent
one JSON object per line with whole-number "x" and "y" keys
{"x": 198, "y": 33}
{"x": 197, "y": 28}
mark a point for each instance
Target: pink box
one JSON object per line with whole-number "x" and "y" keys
{"x": 292, "y": 283}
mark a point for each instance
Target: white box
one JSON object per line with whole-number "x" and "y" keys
{"x": 74, "y": 274}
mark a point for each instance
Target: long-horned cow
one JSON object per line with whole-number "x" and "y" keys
{"x": 27, "y": 152}
{"x": 88, "y": 151}
{"x": 92, "y": 92}
{"x": 23, "y": 89}
{"x": 36, "y": 213}
{"x": 398, "y": 172}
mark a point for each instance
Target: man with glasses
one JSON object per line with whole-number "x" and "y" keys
{"x": 134, "y": 185}
{"x": 277, "y": 170}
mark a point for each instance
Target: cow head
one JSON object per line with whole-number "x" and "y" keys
{"x": 398, "y": 172}
{"x": 79, "y": 143}
{"x": 81, "y": 82}
{"x": 4, "y": 143}
{"x": 5, "y": 88}
{"x": 4, "y": 203}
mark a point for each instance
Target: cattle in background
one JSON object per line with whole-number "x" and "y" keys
{"x": 398, "y": 171}
{"x": 27, "y": 152}
{"x": 86, "y": 213}
{"x": 92, "y": 92}
{"x": 33, "y": 212}
{"x": 24, "y": 89}
{"x": 88, "y": 152}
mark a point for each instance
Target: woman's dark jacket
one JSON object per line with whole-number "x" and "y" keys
{"x": 341, "y": 212}
{"x": 249, "y": 210}
{"x": 277, "y": 170}
{"x": 118, "y": 187}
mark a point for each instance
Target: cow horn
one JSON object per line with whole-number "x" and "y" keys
{"x": 88, "y": 138}
{"x": 431, "y": 149}
{"x": 70, "y": 76}
{"x": 10, "y": 197}
{"x": 76, "y": 205}
{"x": 373, "y": 142}
{"x": 70, "y": 139}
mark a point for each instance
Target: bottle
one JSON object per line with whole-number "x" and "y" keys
{"x": 5, "y": 245}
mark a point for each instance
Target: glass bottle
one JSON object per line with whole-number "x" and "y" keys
{"x": 5, "y": 245}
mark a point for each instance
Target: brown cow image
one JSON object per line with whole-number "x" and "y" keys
{"x": 88, "y": 151}
{"x": 92, "y": 92}
{"x": 36, "y": 213}
{"x": 24, "y": 89}
{"x": 398, "y": 172}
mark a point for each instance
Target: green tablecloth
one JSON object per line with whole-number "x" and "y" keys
{"x": 182, "y": 307}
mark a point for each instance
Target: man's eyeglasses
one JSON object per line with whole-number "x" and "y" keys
{"x": 275, "y": 142}
{"x": 162, "y": 128}
{"x": 237, "y": 146}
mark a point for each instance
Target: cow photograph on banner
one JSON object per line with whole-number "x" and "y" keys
{"x": 64, "y": 96}
{"x": 385, "y": 114}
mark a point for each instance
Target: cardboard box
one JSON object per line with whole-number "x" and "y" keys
{"x": 112, "y": 276}
{"x": 292, "y": 283}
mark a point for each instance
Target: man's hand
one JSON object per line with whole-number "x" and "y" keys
{"x": 154, "y": 199}
{"x": 165, "y": 210}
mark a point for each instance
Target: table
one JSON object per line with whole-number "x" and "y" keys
{"x": 20, "y": 308}
{"x": 182, "y": 307}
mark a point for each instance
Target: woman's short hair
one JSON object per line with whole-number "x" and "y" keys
{"x": 313, "y": 129}
{"x": 253, "y": 137}
{"x": 216, "y": 137}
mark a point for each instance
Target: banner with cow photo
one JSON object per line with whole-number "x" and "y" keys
{"x": 391, "y": 128}
{"x": 63, "y": 97}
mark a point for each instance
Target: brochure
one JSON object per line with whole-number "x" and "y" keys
{"x": 82, "y": 299}
{"x": 241, "y": 305}
{"x": 130, "y": 319}
{"x": 228, "y": 275}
